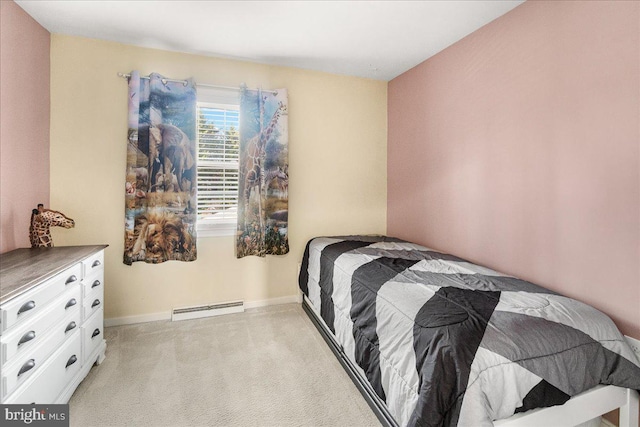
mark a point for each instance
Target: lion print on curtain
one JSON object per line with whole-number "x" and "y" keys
{"x": 160, "y": 188}
{"x": 263, "y": 199}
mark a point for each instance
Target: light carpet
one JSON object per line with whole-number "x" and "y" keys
{"x": 263, "y": 367}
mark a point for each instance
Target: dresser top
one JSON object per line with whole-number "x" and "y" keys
{"x": 22, "y": 269}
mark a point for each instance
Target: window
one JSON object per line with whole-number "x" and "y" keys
{"x": 218, "y": 151}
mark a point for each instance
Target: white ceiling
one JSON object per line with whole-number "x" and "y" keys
{"x": 374, "y": 39}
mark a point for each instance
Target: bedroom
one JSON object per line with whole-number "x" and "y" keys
{"x": 532, "y": 78}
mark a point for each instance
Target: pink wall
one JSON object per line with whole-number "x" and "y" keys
{"x": 519, "y": 148}
{"x": 24, "y": 122}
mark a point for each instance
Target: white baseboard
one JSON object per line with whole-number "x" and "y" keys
{"x": 143, "y": 318}
{"x": 273, "y": 301}
{"x": 166, "y": 315}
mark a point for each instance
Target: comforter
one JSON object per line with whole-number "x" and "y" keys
{"x": 445, "y": 342}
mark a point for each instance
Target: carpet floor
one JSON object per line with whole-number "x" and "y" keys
{"x": 264, "y": 367}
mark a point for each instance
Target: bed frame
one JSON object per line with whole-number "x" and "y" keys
{"x": 579, "y": 409}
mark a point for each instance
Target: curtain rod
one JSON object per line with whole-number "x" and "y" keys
{"x": 243, "y": 86}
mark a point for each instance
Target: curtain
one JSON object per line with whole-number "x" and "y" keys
{"x": 160, "y": 188}
{"x": 263, "y": 198}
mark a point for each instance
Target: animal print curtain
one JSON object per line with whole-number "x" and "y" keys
{"x": 263, "y": 208}
{"x": 160, "y": 188}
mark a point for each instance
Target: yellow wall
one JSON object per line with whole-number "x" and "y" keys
{"x": 337, "y": 155}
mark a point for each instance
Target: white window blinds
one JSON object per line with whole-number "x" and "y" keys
{"x": 218, "y": 150}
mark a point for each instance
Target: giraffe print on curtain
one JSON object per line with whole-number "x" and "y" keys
{"x": 263, "y": 202}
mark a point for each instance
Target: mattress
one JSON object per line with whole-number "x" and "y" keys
{"x": 445, "y": 342}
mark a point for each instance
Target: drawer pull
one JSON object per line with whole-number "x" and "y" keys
{"x": 95, "y": 303}
{"x": 95, "y": 284}
{"x": 95, "y": 333}
{"x": 71, "y": 303}
{"x": 73, "y": 359}
{"x": 71, "y": 279}
{"x": 95, "y": 263}
{"x": 70, "y": 327}
{"x": 27, "y": 337}
{"x": 26, "y": 307}
{"x": 29, "y": 365}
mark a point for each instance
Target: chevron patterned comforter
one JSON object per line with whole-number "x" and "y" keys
{"x": 445, "y": 342}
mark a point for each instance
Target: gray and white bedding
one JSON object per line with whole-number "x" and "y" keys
{"x": 445, "y": 342}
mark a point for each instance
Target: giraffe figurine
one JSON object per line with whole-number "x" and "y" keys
{"x": 41, "y": 221}
{"x": 254, "y": 173}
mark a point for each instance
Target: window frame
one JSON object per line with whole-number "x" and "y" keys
{"x": 208, "y": 227}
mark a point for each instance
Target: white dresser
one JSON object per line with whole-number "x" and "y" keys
{"x": 51, "y": 321}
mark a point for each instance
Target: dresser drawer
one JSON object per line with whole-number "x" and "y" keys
{"x": 26, "y": 306}
{"x": 93, "y": 302}
{"x": 93, "y": 263}
{"x": 54, "y": 376}
{"x": 29, "y": 360}
{"x": 24, "y": 337}
{"x": 92, "y": 283}
{"x": 93, "y": 333}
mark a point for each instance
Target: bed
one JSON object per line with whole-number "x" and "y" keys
{"x": 433, "y": 340}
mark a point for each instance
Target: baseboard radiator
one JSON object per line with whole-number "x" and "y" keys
{"x": 207, "y": 310}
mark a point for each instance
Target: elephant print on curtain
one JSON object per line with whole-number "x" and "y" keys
{"x": 263, "y": 199}
{"x": 160, "y": 187}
